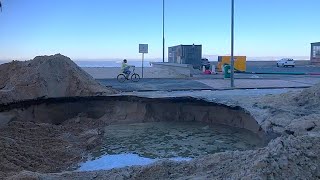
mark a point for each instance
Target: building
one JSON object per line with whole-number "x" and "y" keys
{"x": 315, "y": 53}
{"x": 186, "y": 54}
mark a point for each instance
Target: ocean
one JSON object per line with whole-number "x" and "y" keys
{"x": 111, "y": 63}
{"x": 89, "y": 63}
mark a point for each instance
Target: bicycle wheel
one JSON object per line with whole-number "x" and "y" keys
{"x": 121, "y": 78}
{"x": 135, "y": 77}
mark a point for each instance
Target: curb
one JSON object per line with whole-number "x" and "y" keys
{"x": 213, "y": 89}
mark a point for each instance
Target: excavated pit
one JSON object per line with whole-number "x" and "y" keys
{"x": 129, "y": 109}
{"x": 113, "y": 111}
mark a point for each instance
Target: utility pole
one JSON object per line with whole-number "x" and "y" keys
{"x": 163, "y": 42}
{"x": 232, "y": 44}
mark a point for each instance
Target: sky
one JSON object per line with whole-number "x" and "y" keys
{"x": 107, "y": 29}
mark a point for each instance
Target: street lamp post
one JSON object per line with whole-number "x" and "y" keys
{"x": 163, "y": 42}
{"x": 232, "y": 44}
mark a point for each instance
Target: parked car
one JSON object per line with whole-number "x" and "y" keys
{"x": 286, "y": 62}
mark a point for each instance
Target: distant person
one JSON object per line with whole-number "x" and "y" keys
{"x": 126, "y": 68}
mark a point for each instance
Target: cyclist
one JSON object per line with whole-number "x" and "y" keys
{"x": 126, "y": 68}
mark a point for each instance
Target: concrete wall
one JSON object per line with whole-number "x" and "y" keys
{"x": 183, "y": 69}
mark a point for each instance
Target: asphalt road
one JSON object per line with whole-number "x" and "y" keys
{"x": 210, "y": 84}
{"x": 154, "y": 85}
{"x": 194, "y": 84}
{"x": 269, "y": 69}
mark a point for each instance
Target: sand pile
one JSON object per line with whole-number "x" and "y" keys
{"x": 47, "y": 148}
{"x": 309, "y": 98}
{"x": 19, "y": 153}
{"x": 46, "y": 77}
{"x": 292, "y": 112}
{"x": 284, "y": 158}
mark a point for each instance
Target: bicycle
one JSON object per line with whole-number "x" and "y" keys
{"x": 122, "y": 77}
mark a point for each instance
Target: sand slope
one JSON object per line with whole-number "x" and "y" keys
{"x": 44, "y": 77}
{"x": 296, "y": 113}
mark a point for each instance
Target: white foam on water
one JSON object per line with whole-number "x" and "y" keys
{"x": 108, "y": 162}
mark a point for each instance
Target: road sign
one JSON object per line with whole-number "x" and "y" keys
{"x": 143, "y": 48}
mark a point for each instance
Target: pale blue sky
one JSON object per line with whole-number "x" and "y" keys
{"x": 114, "y": 28}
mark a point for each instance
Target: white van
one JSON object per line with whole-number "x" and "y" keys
{"x": 286, "y": 62}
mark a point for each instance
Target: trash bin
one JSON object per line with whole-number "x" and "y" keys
{"x": 227, "y": 71}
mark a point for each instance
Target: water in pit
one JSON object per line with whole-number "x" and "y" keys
{"x": 145, "y": 143}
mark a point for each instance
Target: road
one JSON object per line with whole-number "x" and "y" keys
{"x": 217, "y": 82}
{"x": 271, "y": 68}
{"x": 155, "y": 85}
{"x": 211, "y": 84}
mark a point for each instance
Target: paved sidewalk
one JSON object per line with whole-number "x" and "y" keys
{"x": 155, "y": 85}
{"x": 220, "y": 84}
{"x": 207, "y": 84}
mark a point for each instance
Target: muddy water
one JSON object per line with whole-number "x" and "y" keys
{"x": 175, "y": 139}
{"x": 145, "y": 143}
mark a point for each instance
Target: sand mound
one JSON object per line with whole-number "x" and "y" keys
{"x": 307, "y": 99}
{"x": 295, "y": 112}
{"x": 47, "y": 148}
{"x": 18, "y": 153}
{"x": 310, "y": 98}
{"x": 284, "y": 158}
{"x": 46, "y": 77}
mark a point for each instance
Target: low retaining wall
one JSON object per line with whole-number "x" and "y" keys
{"x": 182, "y": 69}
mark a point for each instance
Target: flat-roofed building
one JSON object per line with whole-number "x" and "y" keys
{"x": 315, "y": 53}
{"x": 186, "y": 54}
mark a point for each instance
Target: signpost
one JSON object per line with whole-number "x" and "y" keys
{"x": 163, "y": 31}
{"x": 232, "y": 44}
{"x": 143, "y": 48}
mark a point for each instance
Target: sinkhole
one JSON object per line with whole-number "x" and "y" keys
{"x": 140, "y": 131}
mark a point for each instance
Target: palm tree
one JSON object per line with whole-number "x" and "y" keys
{"x": 0, "y": 6}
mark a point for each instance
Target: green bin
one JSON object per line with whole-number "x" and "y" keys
{"x": 227, "y": 71}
